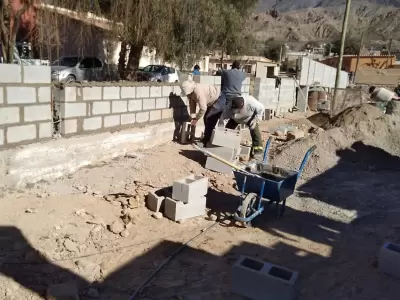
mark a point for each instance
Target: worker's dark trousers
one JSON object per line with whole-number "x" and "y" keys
{"x": 212, "y": 116}
{"x": 255, "y": 133}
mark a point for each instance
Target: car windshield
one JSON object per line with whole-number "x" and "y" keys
{"x": 152, "y": 68}
{"x": 67, "y": 61}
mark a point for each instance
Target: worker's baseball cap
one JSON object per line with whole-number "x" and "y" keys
{"x": 235, "y": 64}
{"x": 187, "y": 87}
{"x": 237, "y": 102}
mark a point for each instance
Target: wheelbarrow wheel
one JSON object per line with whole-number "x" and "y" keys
{"x": 246, "y": 210}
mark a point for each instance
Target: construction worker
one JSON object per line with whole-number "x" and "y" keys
{"x": 211, "y": 104}
{"x": 246, "y": 110}
{"x": 196, "y": 70}
{"x": 231, "y": 81}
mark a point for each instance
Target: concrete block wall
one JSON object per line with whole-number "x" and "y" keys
{"x": 283, "y": 97}
{"x": 25, "y": 105}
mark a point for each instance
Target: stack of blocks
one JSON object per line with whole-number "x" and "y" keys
{"x": 225, "y": 143}
{"x": 188, "y": 199}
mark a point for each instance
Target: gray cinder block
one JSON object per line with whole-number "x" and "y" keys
{"x": 389, "y": 259}
{"x": 217, "y": 166}
{"x": 189, "y": 188}
{"x": 255, "y": 279}
{"x": 245, "y": 152}
{"x": 177, "y": 210}
{"x": 223, "y": 152}
{"x": 154, "y": 202}
{"x": 226, "y": 138}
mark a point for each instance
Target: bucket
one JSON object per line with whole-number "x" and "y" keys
{"x": 313, "y": 100}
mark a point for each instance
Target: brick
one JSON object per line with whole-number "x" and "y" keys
{"x": 217, "y": 80}
{"x": 167, "y": 90}
{"x": 92, "y": 124}
{"x": 36, "y": 74}
{"x": 1, "y": 137}
{"x": 177, "y": 210}
{"x": 45, "y": 130}
{"x": 119, "y": 106}
{"x": 226, "y": 138}
{"x": 112, "y": 121}
{"x": 100, "y": 107}
{"x": 142, "y": 117}
{"x": 92, "y": 93}
{"x": 69, "y": 126}
{"x": 255, "y": 279}
{"x": 10, "y": 73}
{"x": 154, "y": 202}
{"x": 72, "y": 110}
{"x": 111, "y": 92}
{"x": 155, "y": 115}
{"x": 217, "y": 166}
{"x": 37, "y": 113}
{"x": 389, "y": 259}
{"x": 167, "y": 113}
{"x": 1, "y": 95}
{"x": 68, "y": 94}
{"x": 128, "y": 92}
{"x": 134, "y": 105}
{"x": 161, "y": 103}
{"x": 189, "y": 188}
{"x": 143, "y": 92}
{"x": 149, "y": 104}
{"x": 128, "y": 119}
{"x": 155, "y": 91}
{"x": 21, "y": 133}
{"x": 177, "y": 90}
{"x": 9, "y": 115}
{"x": 44, "y": 94}
{"x": 21, "y": 95}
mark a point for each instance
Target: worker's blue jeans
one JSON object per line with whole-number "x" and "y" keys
{"x": 211, "y": 117}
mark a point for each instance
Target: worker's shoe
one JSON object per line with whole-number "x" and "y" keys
{"x": 257, "y": 152}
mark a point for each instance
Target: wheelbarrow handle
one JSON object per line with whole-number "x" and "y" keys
{"x": 305, "y": 159}
{"x": 267, "y": 145}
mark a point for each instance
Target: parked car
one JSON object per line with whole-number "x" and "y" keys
{"x": 157, "y": 73}
{"x": 75, "y": 68}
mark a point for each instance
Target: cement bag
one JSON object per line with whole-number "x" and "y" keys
{"x": 382, "y": 95}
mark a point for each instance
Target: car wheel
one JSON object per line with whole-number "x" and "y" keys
{"x": 70, "y": 78}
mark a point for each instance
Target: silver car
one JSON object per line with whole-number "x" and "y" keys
{"x": 75, "y": 68}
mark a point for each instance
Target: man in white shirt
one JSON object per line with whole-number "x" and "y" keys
{"x": 246, "y": 110}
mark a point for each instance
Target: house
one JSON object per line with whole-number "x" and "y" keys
{"x": 365, "y": 61}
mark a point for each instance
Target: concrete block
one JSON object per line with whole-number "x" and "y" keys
{"x": 128, "y": 92}
{"x": 177, "y": 210}
{"x": 69, "y": 126}
{"x": 217, "y": 166}
{"x": 269, "y": 114}
{"x": 167, "y": 113}
{"x": 389, "y": 259}
{"x": 37, "y": 113}
{"x": 149, "y": 104}
{"x": 36, "y": 74}
{"x": 44, "y": 94}
{"x": 128, "y": 119}
{"x": 245, "y": 152}
{"x": 72, "y": 110}
{"x": 167, "y": 90}
{"x": 10, "y": 73}
{"x": 217, "y": 80}
{"x": 161, "y": 103}
{"x": 20, "y": 95}
{"x": 112, "y": 121}
{"x": 100, "y": 107}
{"x": 142, "y": 117}
{"x": 69, "y": 94}
{"x": 92, "y": 93}
{"x": 223, "y": 152}
{"x": 111, "y": 93}
{"x": 45, "y": 130}
{"x": 1, "y": 95}
{"x": 1, "y": 137}
{"x": 155, "y": 115}
{"x": 134, "y": 105}
{"x": 143, "y": 92}
{"x": 154, "y": 202}
{"x": 177, "y": 90}
{"x": 9, "y": 115}
{"x": 258, "y": 280}
{"x": 92, "y": 124}
{"x": 22, "y": 133}
{"x": 229, "y": 138}
{"x": 189, "y": 188}
{"x": 119, "y": 106}
{"x": 155, "y": 91}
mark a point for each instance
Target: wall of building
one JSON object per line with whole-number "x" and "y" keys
{"x": 374, "y": 62}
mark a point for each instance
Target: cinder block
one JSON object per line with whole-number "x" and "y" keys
{"x": 119, "y": 106}
{"x": 167, "y": 113}
{"x": 149, "y": 104}
{"x": 128, "y": 119}
{"x": 155, "y": 91}
{"x": 268, "y": 114}
{"x": 258, "y": 280}
{"x": 44, "y": 94}
{"x": 161, "y": 103}
{"x": 189, "y": 188}
{"x": 223, "y": 152}
{"x": 217, "y": 166}
{"x": 128, "y": 92}
{"x": 22, "y": 133}
{"x": 154, "y": 202}
{"x": 226, "y": 137}
{"x": 217, "y": 80}
{"x": 100, "y": 107}
{"x": 142, "y": 117}
{"x": 177, "y": 90}
{"x": 10, "y": 73}
{"x": 37, "y": 113}
{"x": 134, "y": 105}
{"x": 177, "y": 210}
{"x": 1, "y": 95}
{"x": 69, "y": 94}
{"x": 155, "y": 115}
{"x": 92, "y": 93}
{"x": 245, "y": 152}
{"x": 20, "y": 95}
{"x": 143, "y": 92}
{"x": 36, "y": 74}
{"x": 111, "y": 93}
{"x": 9, "y": 115}
{"x": 112, "y": 121}
{"x": 72, "y": 110}
{"x": 68, "y": 126}
{"x": 92, "y": 124}
{"x": 45, "y": 130}
{"x": 167, "y": 90}
{"x": 389, "y": 259}
{"x": 1, "y": 137}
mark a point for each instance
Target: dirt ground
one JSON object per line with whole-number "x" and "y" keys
{"x": 54, "y": 232}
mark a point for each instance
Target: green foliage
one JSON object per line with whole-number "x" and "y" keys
{"x": 351, "y": 46}
{"x": 272, "y": 49}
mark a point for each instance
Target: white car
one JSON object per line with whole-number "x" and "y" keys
{"x": 158, "y": 73}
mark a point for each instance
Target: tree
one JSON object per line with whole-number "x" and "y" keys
{"x": 272, "y": 49}
{"x": 351, "y": 46}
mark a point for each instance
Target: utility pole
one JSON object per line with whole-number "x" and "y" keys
{"x": 358, "y": 56}
{"x": 340, "y": 61}
{"x": 388, "y": 53}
